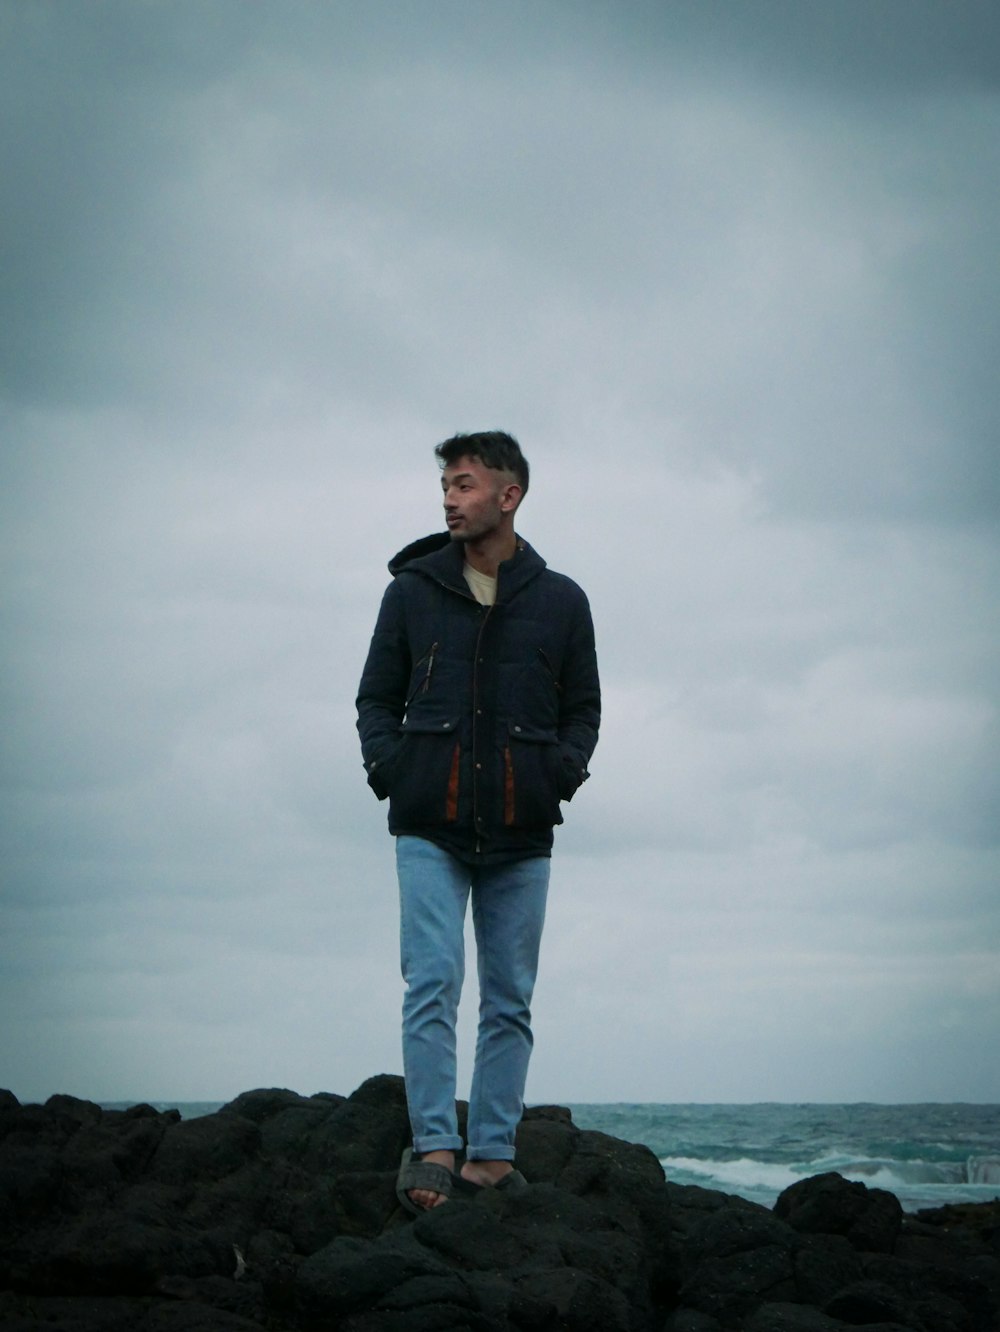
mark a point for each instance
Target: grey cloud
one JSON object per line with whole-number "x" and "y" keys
{"x": 412, "y": 207}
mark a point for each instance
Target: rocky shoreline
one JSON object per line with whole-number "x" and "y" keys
{"x": 279, "y": 1212}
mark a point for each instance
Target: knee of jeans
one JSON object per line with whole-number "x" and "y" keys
{"x": 509, "y": 994}
{"x": 434, "y": 983}
{"x": 515, "y": 1017}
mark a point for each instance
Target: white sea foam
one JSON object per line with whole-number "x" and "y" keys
{"x": 732, "y": 1176}
{"x": 983, "y": 1169}
{"x": 885, "y": 1173}
{"x": 915, "y": 1183}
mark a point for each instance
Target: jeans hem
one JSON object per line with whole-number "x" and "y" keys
{"x": 439, "y": 1144}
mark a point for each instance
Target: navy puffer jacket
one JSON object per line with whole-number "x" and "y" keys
{"x": 476, "y": 721}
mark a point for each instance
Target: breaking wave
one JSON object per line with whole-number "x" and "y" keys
{"x": 916, "y": 1182}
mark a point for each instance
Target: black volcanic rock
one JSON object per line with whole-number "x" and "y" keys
{"x": 279, "y": 1212}
{"x": 869, "y": 1219}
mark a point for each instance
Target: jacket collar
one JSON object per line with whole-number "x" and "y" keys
{"x": 443, "y": 560}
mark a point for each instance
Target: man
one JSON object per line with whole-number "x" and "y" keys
{"x": 478, "y": 712}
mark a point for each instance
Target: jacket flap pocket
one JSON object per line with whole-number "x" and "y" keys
{"x": 427, "y": 722}
{"x": 538, "y": 735}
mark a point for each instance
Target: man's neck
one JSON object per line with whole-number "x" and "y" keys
{"x": 487, "y": 555}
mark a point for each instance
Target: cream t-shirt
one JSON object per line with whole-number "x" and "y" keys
{"x": 482, "y": 586}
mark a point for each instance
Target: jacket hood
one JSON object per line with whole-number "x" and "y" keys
{"x": 441, "y": 558}
{"x": 417, "y": 550}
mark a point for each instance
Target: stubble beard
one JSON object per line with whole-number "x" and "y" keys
{"x": 471, "y": 531}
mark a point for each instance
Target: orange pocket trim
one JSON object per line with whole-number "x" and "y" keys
{"x": 451, "y": 799}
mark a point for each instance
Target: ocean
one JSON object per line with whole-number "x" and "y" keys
{"x": 927, "y": 1155}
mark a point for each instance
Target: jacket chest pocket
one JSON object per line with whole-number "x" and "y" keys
{"x": 535, "y": 694}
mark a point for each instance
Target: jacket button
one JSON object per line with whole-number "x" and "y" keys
{"x": 446, "y": 725}
{"x": 479, "y": 767}
{"x": 517, "y": 729}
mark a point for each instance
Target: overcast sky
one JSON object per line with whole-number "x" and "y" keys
{"x": 731, "y": 274}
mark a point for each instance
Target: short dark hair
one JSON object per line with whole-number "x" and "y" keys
{"x": 494, "y": 449}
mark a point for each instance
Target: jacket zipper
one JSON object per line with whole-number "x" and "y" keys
{"x": 425, "y": 683}
{"x": 430, "y": 666}
{"x": 548, "y": 667}
{"x": 475, "y": 728}
{"x": 464, "y": 591}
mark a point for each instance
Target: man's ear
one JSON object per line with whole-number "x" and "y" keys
{"x": 510, "y": 498}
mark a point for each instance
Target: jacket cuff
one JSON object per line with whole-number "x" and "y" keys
{"x": 375, "y": 779}
{"x": 572, "y": 775}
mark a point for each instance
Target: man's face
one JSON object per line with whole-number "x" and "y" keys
{"x": 476, "y": 498}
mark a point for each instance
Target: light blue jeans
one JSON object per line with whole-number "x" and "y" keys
{"x": 508, "y": 911}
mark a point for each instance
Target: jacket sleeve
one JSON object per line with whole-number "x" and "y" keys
{"x": 381, "y": 698}
{"x": 579, "y": 700}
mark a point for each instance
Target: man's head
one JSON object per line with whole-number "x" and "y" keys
{"x": 484, "y": 477}
{"x": 493, "y": 448}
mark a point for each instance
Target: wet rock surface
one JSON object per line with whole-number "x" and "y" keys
{"x": 279, "y": 1212}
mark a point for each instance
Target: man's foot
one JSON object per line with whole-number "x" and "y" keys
{"x": 425, "y": 1181}
{"x": 490, "y": 1174}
